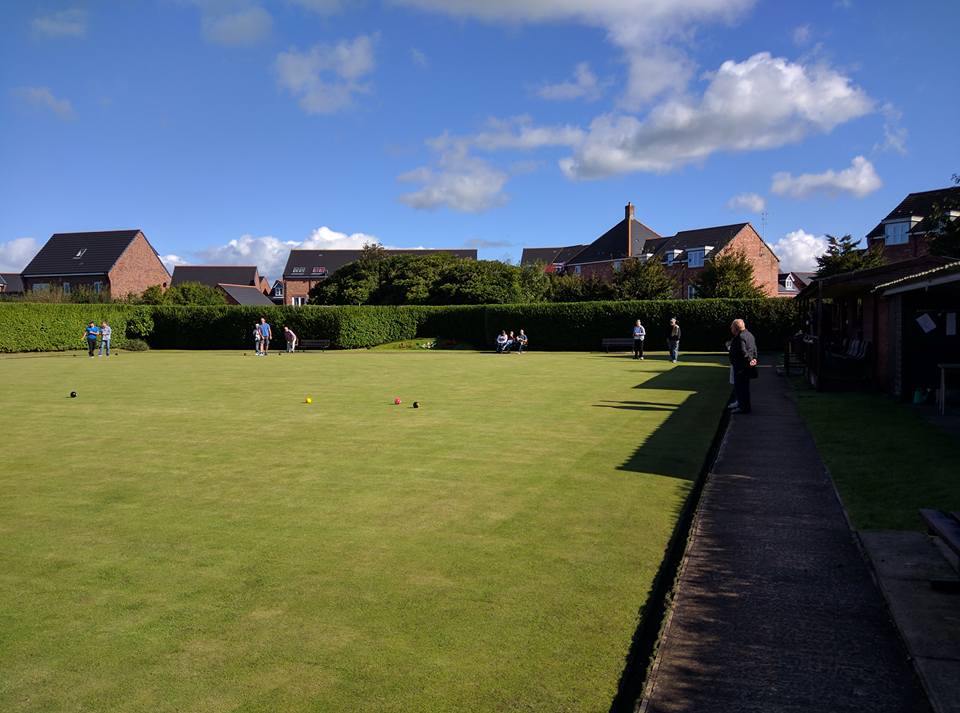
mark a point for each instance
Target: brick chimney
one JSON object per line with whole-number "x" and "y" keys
{"x": 628, "y": 216}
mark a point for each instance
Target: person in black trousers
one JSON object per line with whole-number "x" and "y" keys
{"x": 743, "y": 359}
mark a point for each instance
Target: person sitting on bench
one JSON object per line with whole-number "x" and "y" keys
{"x": 521, "y": 342}
{"x": 501, "y": 341}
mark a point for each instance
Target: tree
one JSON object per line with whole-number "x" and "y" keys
{"x": 728, "y": 275}
{"x": 643, "y": 280}
{"x": 153, "y": 295}
{"x": 945, "y": 230}
{"x": 194, "y": 293}
{"x": 843, "y": 255}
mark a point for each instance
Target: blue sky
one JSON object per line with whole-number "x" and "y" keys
{"x": 232, "y": 130}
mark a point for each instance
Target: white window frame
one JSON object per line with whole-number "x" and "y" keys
{"x": 695, "y": 257}
{"x": 300, "y": 270}
{"x": 576, "y": 269}
{"x": 691, "y": 292}
{"x": 66, "y": 288}
{"x": 278, "y": 290}
{"x": 896, "y": 232}
{"x": 789, "y": 285}
{"x": 298, "y": 301}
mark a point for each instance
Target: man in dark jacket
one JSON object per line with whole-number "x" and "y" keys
{"x": 743, "y": 359}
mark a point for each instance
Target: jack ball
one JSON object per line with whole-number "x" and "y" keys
{"x": 397, "y": 401}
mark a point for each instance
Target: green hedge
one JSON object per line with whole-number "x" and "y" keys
{"x": 580, "y": 325}
{"x": 44, "y": 327}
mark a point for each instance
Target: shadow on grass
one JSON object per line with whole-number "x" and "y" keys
{"x": 668, "y": 452}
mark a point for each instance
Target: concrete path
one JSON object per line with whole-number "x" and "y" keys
{"x": 776, "y": 609}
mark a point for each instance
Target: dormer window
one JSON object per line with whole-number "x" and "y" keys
{"x": 319, "y": 270}
{"x": 695, "y": 258}
{"x": 80, "y": 253}
{"x": 789, "y": 285}
{"x": 278, "y": 290}
{"x": 298, "y": 270}
{"x": 896, "y": 233}
{"x": 673, "y": 255}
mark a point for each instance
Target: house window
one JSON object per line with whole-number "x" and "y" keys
{"x": 788, "y": 284}
{"x": 896, "y": 233}
{"x": 320, "y": 270}
{"x": 80, "y": 253}
{"x": 576, "y": 269}
{"x": 40, "y": 286}
{"x": 695, "y": 258}
{"x": 691, "y": 291}
{"x": 298, "y": 301}
{"x": 66, "y": 288}
{"x": 97, "y": 287}
{"x": 299, "y": 270}
{"x": 278, "y": 290}
{"x": 617, "y": 265}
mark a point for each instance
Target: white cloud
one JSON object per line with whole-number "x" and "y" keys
{"x": 170, "y": 261}
{"x": 459, "y": 181}
{"x": 801, "y": 35}
{"x": 642, "y": 29}
{"x": 239, "y": 26}
{"x": 16, "y": 253}
{"x": 270, "y": 253}
{"x": 43, "y": 98}
{"x": 585, "y": 85}
{"x": 326, "y": 78}
{"x": 860, "y": 180}
{"x": 65, "y": 23}
{"x": 419, "y": 58}
{"x": 894, "y": 135}
{"x": 760, "y": 103}
{"x": 751, "y": 202}
{"x": 798, "y": 251}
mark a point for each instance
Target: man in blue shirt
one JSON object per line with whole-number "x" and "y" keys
{"x": 91, "y": 333}
{"x": 265, "y": 336}
{"x": 639, "y": 334}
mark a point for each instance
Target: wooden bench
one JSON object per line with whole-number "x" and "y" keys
{"x": 622, "y": 344}
{"x": 946, "y": 528}
{"x": 305, "y": 344}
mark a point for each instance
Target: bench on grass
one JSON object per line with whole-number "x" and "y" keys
{"x": 619, "y": 344}
{"x": 305, "y": 344}
{"x": 946, "y": 528}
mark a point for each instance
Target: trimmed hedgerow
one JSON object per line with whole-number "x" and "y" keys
{"x": 49, "y": 327}
{"x": 551, "y": 326}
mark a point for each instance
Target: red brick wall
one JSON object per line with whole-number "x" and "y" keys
{"x": 766, "y": 265}
{"x": 297, "y": 288}
{"x": 603, "y": 270}
{"x": 137, "y": 269}
{"x": 57, "y": 282}
{"x": 917, "y": 247}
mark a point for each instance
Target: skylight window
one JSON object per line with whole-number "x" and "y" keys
{"x": 299, "y": 270}
{"x": 80, "y": 253}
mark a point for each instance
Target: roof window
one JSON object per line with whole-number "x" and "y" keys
{"x": 80, "y": 253}
{"x": 298, "y": 270}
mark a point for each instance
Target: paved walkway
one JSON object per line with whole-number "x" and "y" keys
{"x": 776, "y": 609}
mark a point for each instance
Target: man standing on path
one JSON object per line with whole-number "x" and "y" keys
{"x": 639, "y": 334}
{"x": 673, "y": 340}
{"x": 105, "y": 333}
{"x": 743, "y": 359}
{"x": 265, "y": 336}
{"x": 90, "y": 334}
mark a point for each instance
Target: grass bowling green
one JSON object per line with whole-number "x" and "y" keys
{"x": 189, "y": 534}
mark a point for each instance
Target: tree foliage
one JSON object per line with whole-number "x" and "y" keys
{"x": 843, "y": 255}
{"x": 643, "y": 280}
{"x": 728, "y": 275}
{"x": 185, "y": 293}
{"x": 945, "y": 230}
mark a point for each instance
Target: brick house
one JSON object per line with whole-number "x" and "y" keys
{"x": 214, "y": 275}
{"x": 683, "y": 254}
{"x": 904, "y": 233}
{"x": 307, "y": 268}
{"x": 122, "y": 262}
{"x": 11, "y": 283}
{"x": 791, "y": 283}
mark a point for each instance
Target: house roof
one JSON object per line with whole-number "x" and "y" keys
{"x": 318, "y": 264}
{"x": 940, "y": 275}
{"x": 80, "y": 253}
{"x": 531, "y": 256}
{"x": 716, "y": 237}
{"x": 246, "y": 294}
{"x": 612, "y": 245}
{"x": 214, "y": 275}
{"x": 863, "y": 281}
{"x": 14, "y": 283}
{"x": 920, "y": 205}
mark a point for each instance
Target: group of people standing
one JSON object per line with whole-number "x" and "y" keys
{"x": 673, "y": 339}
{"x": 263, "y": 333}
{"x": 93, "y": 333}
{"x": 507, "y": 342}
{"x": 743, "y": 358}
